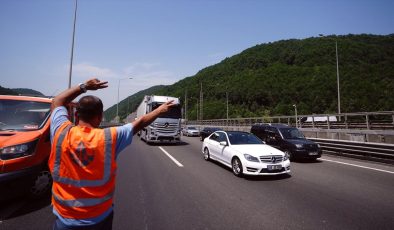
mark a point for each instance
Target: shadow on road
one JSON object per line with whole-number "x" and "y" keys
{"x": 267, "y": 177}
{"x": 22, "y": 205}
{"x": 311, "y": 161}
{"x": 255, "y": 178}
{"x": 182, "y": 143}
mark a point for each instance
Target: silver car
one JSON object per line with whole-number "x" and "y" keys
{"x": 190, "y": 131}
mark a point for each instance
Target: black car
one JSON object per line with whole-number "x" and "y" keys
{"x": 207, "y": 131}
{"x": 288, "y": 139}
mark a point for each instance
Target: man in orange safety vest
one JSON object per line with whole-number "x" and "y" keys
{"x": 83, "y": 158}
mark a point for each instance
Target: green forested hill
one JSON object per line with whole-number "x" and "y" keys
{"x": 19, "y": 91}
{"x": 7, "y": 91}
{"x": 24, "y": 91}
{"x": 130, "y": 104}
{"x": 268, "y": 79}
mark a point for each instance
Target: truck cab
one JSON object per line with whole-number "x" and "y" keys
{"x": 165, "y": 128}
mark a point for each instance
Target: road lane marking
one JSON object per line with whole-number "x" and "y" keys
{"x": 171, "y": 157}
{"x": 359, "y": 166}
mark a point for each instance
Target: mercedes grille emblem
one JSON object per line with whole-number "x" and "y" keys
{"x": 273, "y": 159}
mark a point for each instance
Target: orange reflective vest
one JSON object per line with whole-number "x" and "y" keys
{"x": 83, "y": 167}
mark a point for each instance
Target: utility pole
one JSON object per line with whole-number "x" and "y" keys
{"x": 128, "y": 104}
{"x": 201, "y": 102}
{"x": 117, "y": 103}
{"x": 197, "y": 109}
{"x": 296, "y": 118}
{"x": 337, "y": 62}
{"x": 339, "y": 95}
{"x": 227, "y": 104}
{"x": 185, "y": 105}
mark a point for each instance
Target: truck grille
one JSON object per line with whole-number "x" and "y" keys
{"x": 166, "y": 127}
{"x": 271, "y": 159}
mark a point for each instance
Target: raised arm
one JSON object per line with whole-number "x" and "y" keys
{"x": 150, "y": 117}
{"x": 65, "y": 97}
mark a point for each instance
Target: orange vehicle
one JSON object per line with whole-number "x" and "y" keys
{"x": 24, "y": 145}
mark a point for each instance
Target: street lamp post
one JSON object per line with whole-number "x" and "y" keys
{"x": 72, "y": 45}
{"x": 117, "y": 104}
{"x": 295, "y": 111}
{"x": 339, "y": 95}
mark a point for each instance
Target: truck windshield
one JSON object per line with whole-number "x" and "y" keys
{"x": 174, "y": 112}
{"x": 291, "y": 133}
{"x": 23, "y": 115}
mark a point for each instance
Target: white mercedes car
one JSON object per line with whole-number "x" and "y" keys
{"x": 245, "y": 154}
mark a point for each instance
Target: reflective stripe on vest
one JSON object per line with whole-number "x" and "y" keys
{"x": 84, "y": 183}
{"x": 83, "y": 202}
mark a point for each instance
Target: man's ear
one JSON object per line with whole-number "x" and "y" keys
{"x": 76, "y": 117}
{"x": 99, "y": 119}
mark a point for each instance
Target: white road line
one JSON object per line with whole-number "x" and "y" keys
{"x": 360, "y": 166}
{"x": 171, "y": 157}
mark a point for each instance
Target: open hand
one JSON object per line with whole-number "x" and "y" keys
{"x": 95, "y": 84}
{"x": 166, "y": 106}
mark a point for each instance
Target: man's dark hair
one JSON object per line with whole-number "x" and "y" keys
{"x": 89, "y": 107}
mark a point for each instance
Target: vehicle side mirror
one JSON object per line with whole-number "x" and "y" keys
{"x": 223, "y": 143}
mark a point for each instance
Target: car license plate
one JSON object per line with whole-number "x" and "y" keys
{"x": 274, "y": 167}
{"x": 312, "y": 153}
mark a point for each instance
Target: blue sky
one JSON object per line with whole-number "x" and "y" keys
{"x": 159, "y": 42}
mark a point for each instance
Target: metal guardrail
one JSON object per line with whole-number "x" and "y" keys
{"x": 382, "y": 120}
{"x": 372, "y": 151}
{"x": 110, "y": 124}
{"x": 362, "y": 150}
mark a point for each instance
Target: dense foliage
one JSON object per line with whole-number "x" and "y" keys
{"x": 129, "y": 104}
{"x": 268, "y": 79}
{"x": 7, "y": 91}
{"x": 20, "y": 91}
{"x": 24, "y": 91}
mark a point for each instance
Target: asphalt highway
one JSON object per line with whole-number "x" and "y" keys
{"x": 172, "y": 187}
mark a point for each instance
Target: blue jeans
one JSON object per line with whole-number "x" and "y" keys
{"x": 106, "y": 224}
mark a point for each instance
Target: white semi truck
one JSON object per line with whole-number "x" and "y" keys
{"x": 167, "y": 127}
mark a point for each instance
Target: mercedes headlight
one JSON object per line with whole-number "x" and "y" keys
{"x": 299, "y": 146}
{"x": 15, "y": 151}
{"x": 286, "y": 157}
{"x": 251, "y": 158}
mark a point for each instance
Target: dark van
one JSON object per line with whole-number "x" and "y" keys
{"x": 288, "y": 139}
